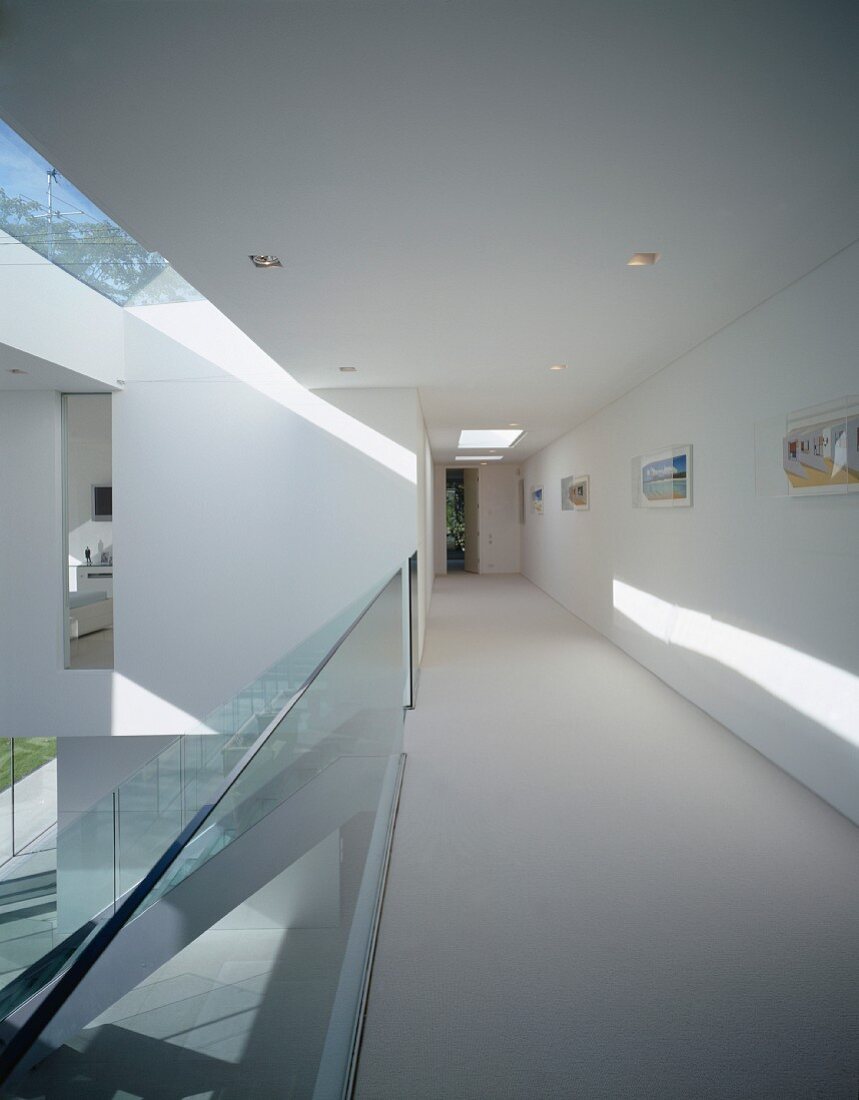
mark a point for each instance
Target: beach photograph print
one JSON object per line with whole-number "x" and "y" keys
{"x": 823, "y": 458}
{"x": 575, "y": 494}
{"x": 537, "y": 499}
{"x": 666, "y": 479}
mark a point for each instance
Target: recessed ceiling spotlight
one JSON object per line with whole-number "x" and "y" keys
{"x": 16, "y": 370}
{"x": 558, "y": 366}
{"x": 348, "y": 370}
{"x": 263, "y": 260}
{"x": 643, "y": 259}
{"x": 482, "y": 463}
{"x": 513, "y": 424}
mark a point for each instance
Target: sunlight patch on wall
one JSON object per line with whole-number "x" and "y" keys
{"x": 822, "y": 692}
{"x": 137, "y": 712}
{"x": 203, "y": 329}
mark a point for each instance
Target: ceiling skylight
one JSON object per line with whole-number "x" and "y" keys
{"x": 489, "y": 437}
{"x": 479, "y": 458}
{"x": 42, "y": 210}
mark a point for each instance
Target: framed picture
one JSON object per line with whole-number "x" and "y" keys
{"x": 575, "y": 494}
{"x": 665, "y": 478}
{"x": 821, "y": 455}
{"x": 537, "y": 499}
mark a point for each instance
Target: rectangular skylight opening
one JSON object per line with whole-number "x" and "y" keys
{"x": 479, "y": 458}
{"x": 491, "y": 438}
{"x": 42, "y": 210}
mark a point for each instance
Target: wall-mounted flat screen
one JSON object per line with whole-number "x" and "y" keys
{"x": 102, "y": 502}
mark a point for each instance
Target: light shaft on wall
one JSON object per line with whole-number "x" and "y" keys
{"x": 826, "y": 694}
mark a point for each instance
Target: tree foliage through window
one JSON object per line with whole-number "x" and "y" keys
{"x": 456, "y": 515}
{"x": 97, "y": 252}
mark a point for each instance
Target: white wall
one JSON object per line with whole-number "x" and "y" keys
{"x": 47, "y": 313}
{"x": 396, "y": 412}
{"x": 500, "y": 532}
{"x": 439, "y": 507}
{"x": 70, "y": 337}
{"x": 392, "y": 410}
{"x": 38, "y": 697}
{"x": 426, "y": 569}
{"x": 240, "y": 528}
{"x": 779, "y": 569}
{"x": 240, "y": 524}
{"x": 88, "y": 436}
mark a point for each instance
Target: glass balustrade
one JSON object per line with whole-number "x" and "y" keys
{"x": 28, "y": 793}
{"x": 352, "y": 710}
{"x": 331, "y": 708}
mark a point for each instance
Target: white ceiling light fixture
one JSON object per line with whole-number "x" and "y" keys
{"x": 489, "y": 438}
{"x": 558, "y": 366}
{"x": 479, "y": 458}
{"x": 643, "y": 259}
{"x": 262, "y": 259}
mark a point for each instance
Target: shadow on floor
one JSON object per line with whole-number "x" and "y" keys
{"x": 110, "y": 1065}
{"x": 241, "y": 1013}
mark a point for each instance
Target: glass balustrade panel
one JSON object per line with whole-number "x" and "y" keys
{"x": 6, "y": 832}
{"x": 347, "y": 724}
{"x": 34, "y": 764}
{"x": 352, "y": 712}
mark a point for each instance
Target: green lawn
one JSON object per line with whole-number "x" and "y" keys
{"x": 30, "y": 753}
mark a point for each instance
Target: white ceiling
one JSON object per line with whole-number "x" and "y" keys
{"x": 40, "y": 374}
{"x": 455, "y": 187}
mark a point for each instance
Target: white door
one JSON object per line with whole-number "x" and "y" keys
{"x": 472, "y": 521}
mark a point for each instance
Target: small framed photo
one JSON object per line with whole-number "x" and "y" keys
{"x": 664, "y": 479}
{"x": 575, "y": 494}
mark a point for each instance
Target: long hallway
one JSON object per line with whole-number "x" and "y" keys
{"x": 596, "y": 891}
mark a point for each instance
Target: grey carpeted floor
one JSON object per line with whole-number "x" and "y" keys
{"x": 596, "y": 891}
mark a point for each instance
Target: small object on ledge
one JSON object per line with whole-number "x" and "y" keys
{"x": 88, "y": 555}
